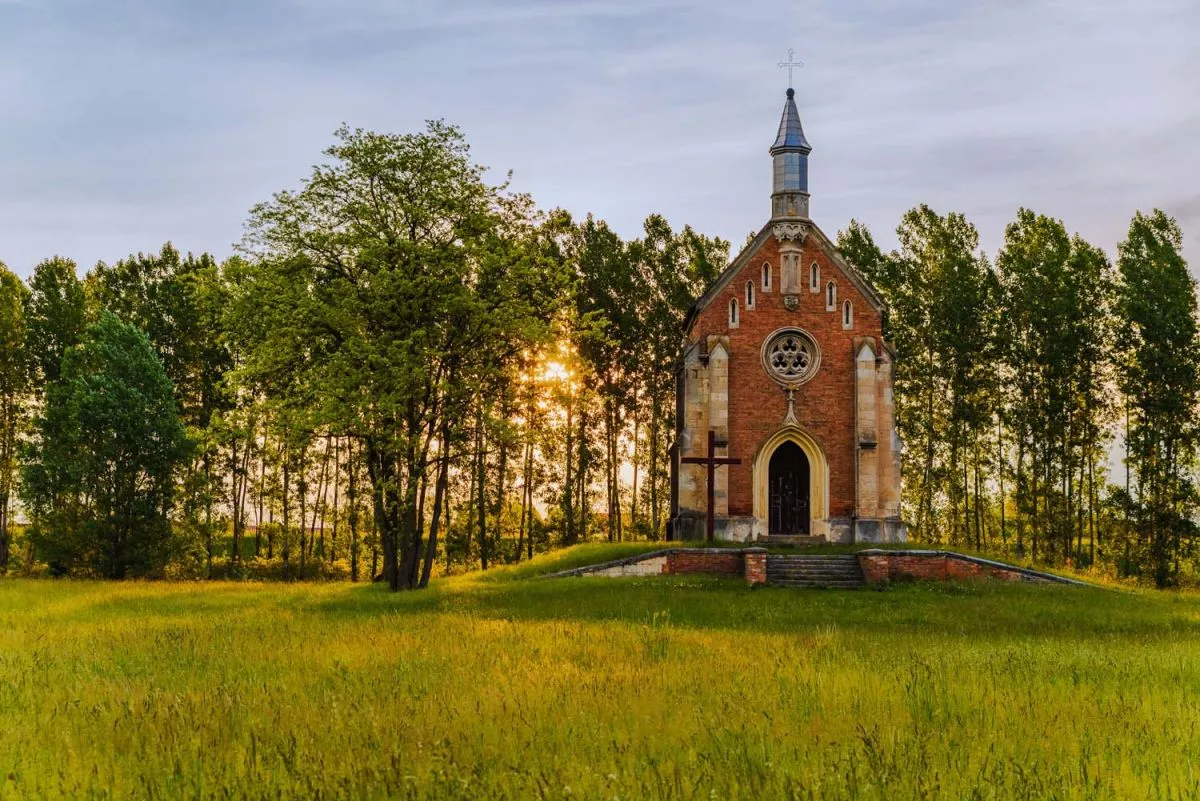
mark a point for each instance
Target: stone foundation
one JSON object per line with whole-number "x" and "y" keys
{"x": 885, "y": 530}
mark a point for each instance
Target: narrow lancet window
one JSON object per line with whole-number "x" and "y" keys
{"x": 830, "y": 296}
{"x": 766, "y": 272}
{"x": 847, "y": 314}
{"x": 814, "y": 278}
{"x": 733, "y": 313}
{"x": 749, "y": 294}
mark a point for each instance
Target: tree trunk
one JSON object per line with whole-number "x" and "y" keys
{"x": 287, "y": 531}
{"x": 337, "y": 483}
{"x": 386, "y": 520}
{"x": 208, "y": 504}
{"x": 655, "y": 423}
{"x": 439, "y": 494}
{"x": 633, "y": 493}
{"x": 569, "y": 530}
{"x": 352, "y": 512}
{"x": 481, "y": 494}
{"x": 502, "y": 473}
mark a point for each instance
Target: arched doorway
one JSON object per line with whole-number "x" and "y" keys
{"x": 788, "y": 487}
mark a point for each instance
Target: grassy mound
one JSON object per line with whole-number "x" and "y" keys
{"x": 675, "y": 687}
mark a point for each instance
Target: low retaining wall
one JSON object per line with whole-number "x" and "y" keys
{"x": 882, "y": 567}
{"x": 879, "y": 567}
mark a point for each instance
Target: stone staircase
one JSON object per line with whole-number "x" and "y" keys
{"x": 791, "y": 540}
{"x": 833, "y": 571}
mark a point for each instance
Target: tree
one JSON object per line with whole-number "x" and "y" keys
{"x": 941, "y": 294}
{"x": 98, "y": 478}
{"x": 395, "y": 282}
{"x": 54, "y": 317}
{"x": 1055, "y": 357}
{"x": 1160, "y": 377}
{"x": 179, "y": 302}
{"x": 673, "y": 270}
{"x": 14, "y": 389}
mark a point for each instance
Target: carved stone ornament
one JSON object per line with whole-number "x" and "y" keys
{"x": 791, "y": 302}
{"x": 791, "y": 357}
{"x": 788, "y": 232}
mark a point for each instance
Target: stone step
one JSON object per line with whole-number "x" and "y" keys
{"x": 797, "y": 559}
{"x": 813, "y": 571}
{"x": 773, "y": 579}
{"x": 833, "y": 571}
{"x": 794, "y": 540}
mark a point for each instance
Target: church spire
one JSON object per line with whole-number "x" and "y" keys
{"x": 789, "y": 197}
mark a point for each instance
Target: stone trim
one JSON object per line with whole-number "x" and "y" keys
{"x": 642, "y": 557}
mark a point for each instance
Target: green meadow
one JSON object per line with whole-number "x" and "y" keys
{"x": 509, "y": 686}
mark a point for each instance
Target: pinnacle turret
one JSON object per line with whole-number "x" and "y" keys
{"x": 789, "y": 196}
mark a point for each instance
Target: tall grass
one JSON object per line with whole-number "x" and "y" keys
{"x": 596, "y": 688}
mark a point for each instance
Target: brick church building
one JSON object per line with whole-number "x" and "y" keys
{"x": 785, "y": 368}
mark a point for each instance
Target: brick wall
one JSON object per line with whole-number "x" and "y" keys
{"x": 884, "y": 567}
{"x": 825, "y": 405}
{"x": 721, "y": 562}
{"x": 755, "y": 566}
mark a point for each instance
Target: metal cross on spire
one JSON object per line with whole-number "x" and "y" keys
{"x": 791, "y": 63}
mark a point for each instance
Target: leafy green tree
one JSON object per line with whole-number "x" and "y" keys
{"x": 99, "y": 476}
{"x": 14, "y": 395}
{"x": 393, "y": 276}
{"x": 941, "y": 293}
{"x": 1160, "y": 377}
{"x": 54, "y": 316}
{"x": 673, "y": 269}
{"x": 857, "y": 246}
{"x": 179, "y": 302}
{"x": 607, "y": 310}
{"x": 1056, "y": 357}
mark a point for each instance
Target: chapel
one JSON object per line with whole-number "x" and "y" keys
{"x": 786, "y": 379}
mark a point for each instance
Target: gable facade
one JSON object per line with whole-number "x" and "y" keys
{"x": 819, "y": 454}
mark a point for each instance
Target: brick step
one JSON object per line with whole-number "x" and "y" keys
{"x": 846, "y": 584}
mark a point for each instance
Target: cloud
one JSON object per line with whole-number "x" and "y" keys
{"x": 136, "y": 121}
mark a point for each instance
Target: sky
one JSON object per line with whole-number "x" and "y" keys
{"x": 128, "y": 123}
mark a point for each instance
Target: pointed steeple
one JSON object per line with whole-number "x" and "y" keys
{"x": 791, "y": 134}
{"x": 789, "y": 196}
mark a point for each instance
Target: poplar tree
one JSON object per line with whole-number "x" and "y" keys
{"x": 1159, "y": 375}
{"x": 55, "y": 316}
{"x": 14, "y": 396}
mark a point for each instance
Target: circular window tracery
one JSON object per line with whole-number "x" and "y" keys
{"x": 791, "y": 356}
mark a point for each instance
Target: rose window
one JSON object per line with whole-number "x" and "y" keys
{"x": 791, "y": 356}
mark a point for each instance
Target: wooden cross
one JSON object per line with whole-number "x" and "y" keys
{"x": 712, "y": 461}
{"x": 790, "y": 64}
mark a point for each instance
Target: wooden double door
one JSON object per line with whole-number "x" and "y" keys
{"x": 788, "y": 490}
